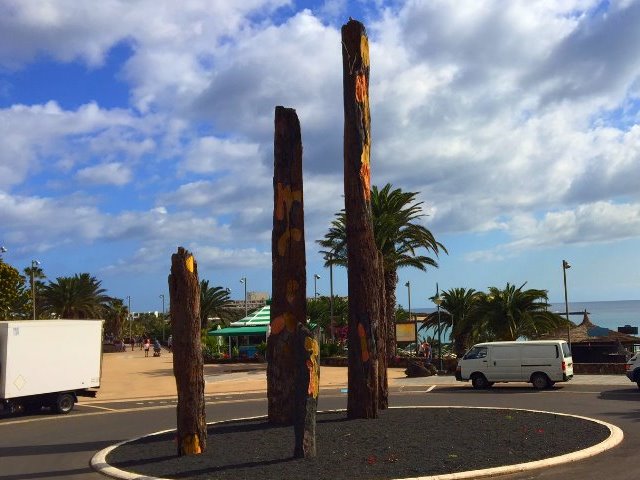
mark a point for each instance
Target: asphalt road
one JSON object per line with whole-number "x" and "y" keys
{"x": 45, "y": 446}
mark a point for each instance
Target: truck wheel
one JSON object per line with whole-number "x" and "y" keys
{"x": 540, "y": 381}
{"x": 479, "y": 381}
{"x": 63, "y": 403}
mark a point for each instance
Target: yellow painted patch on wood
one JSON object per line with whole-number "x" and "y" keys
{"x": 285, "y": 198}
{"x": 365, "y": 172}
{"x": 364, "y": 50}
{"x": 311, "y": 345}
{"x": 191, "y": 445}
{"x": 294, "y": 234}
{"x": 189, "y": 263}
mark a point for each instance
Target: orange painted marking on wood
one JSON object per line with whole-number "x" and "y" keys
{"x": 286, "y": 320}
{"x": 292, "y": 290}
{"x": 363, "y": 343}
{"x": 191, "y": 445}
{"x": 284, "y": 202}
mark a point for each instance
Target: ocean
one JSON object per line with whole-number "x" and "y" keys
{"x": 611, "y": 314}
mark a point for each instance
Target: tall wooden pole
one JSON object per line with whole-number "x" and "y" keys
{"x": 184, "y": 295}
{"x": 289, "y": 281}
{"x": 364, "y": 261}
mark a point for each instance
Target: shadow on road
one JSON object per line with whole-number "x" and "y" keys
{"x": 25, "y": 450}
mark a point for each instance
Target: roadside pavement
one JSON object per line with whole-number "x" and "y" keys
{"x": 131, "y": 375}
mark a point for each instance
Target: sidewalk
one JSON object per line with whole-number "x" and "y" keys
{"x": 131, "y": 375}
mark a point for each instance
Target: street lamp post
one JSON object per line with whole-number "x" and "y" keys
{"x": 438, "y": 301}
{"x": 415, "y": 326}
{"x": 316, "y": 277}
{"x": 129, "y": 314}
{"x": 163, "y": 319}
{"x": 243, "y": 280}
{"x": 34, "y": 264}
{"x": 565, "y": 266}
{"x": 331, "y": 296}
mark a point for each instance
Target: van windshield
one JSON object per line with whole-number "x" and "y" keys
{"x": 476, "y": 352}
{"x": 566, "y": 351}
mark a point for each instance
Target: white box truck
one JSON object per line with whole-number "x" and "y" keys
{"x": 541, "y": 362}
{"x": 49, "y": 363}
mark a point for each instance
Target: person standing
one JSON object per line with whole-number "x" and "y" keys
{"x": 147, "y": 345}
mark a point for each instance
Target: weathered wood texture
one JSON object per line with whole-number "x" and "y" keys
{"x": 307, "y": 387}
{"x": 364, "y": 272}
{"x": 184, "y": 294}
{"x": 289, "y": 284}
{"x": 384, "y": 329}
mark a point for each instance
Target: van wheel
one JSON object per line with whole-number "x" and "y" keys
{"x": 540, "y": 381}
{"x": 63, "y": 403}
{"x": 638, "y": 382}
{"x": 479, "y": 381}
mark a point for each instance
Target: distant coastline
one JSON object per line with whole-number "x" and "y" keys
{"x": 607, "y": 313}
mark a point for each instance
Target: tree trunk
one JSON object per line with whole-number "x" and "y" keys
{"x": 307, "y": 386}
{"x": 390, "y": 282}
{"x": 289, "y": 283}
{"x": 364, "y": 268}
{"x": 184, "y": 294}
{"x": 383, "y": 335}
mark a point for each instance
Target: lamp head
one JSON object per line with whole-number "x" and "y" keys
{"x": 316, "y": 276}
{"x": 565, "y": 264}
{"x": 3, "y": 249}
{"x": 243, "y": 279}
{"x": 408, "y": 284}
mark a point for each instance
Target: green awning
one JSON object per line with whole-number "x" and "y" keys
{"x": 238, "y": 331}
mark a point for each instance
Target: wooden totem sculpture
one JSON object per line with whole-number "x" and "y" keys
{"x": 364, "y": 261}
{"x": 288, "y": 305}
{"x": 184, "y": 292}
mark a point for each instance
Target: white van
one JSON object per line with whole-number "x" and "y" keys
{"x": 540, "y": 362}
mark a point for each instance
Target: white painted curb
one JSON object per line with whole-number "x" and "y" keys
{"x": 99, "y": 460}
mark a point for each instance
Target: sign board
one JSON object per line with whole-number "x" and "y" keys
{"x": 405, "y": 332}
{"x": 628, "y": 329}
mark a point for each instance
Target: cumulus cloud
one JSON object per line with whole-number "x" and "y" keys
{"x": 105, "y": 174}
{"x": 516, "y": 117}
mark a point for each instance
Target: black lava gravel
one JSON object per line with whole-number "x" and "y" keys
{"x": 401, "y": 443}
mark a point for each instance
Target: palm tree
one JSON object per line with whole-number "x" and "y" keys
{"x": 214, "y": 302}
{"x": 513, "y": 313}
{"x": 457, "y": 315}
{"x": 80, "y": 296}
{"x": 35, "y": 274}
{"x": 116, "y": 312}
{"x": 397, "y": 236}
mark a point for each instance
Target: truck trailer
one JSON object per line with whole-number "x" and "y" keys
{"x": 49, "y": 363}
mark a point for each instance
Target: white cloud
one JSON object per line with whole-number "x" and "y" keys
{"x": 105, "y": 174}
{"x": 514, "y": 118}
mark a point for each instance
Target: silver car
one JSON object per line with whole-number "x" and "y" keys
{"x": 633, "y": 369}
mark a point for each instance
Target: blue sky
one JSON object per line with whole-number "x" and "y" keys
{"x": 128, "y": 129}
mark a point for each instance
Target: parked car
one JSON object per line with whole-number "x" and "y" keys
{"x": 633, "y": 369}
{"x": 541, "y": 363}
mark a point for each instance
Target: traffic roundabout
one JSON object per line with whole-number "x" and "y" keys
{"x": 426, "y": 442}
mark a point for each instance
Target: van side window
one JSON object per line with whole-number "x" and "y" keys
{"x": 557, "y": 352}
{"x": 476, "y": 352}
